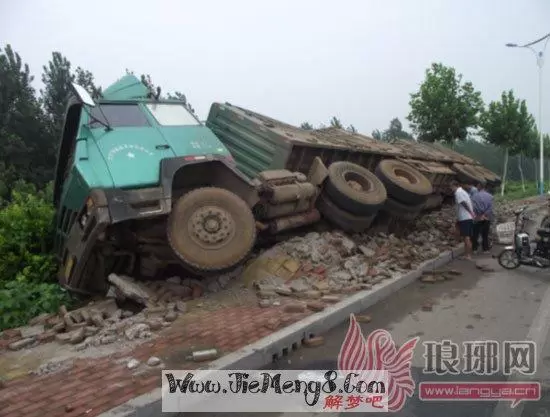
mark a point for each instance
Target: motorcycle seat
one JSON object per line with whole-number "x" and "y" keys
{"x": 543, "y": 232}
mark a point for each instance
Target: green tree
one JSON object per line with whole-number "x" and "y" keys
{"x": 306, "y": 126}
{"x": 351, "y": 128}
{"x": 508, "y": 124}
{"x": 376, "y": 134}
{"x": 335, "y": 122}
{"x": 86, "y": 79}
{"x": 57, "y": 78}
{"x": 395, "y": 131}
{"x": 25, "y": 144}
{"x": 445, "y": 107}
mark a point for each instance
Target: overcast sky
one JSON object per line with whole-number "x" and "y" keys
{"x": 299, "y": 60}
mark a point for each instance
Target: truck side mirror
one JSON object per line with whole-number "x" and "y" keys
{"x": 83, "y": 95}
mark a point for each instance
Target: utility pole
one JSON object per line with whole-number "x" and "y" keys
{"x": 540, "y": 63}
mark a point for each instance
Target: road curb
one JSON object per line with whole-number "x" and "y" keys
{"x": 262, "y": 352}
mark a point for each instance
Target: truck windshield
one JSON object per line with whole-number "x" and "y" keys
{"x": 172, "y": 114}
{"x": 118, "y": 115}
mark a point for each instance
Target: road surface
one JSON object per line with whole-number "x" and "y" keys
{"x": 499, "y": 306}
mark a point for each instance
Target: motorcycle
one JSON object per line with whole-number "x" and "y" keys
{"x": 525, "y": 250}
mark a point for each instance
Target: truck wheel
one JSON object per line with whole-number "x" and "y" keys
{"x": 346, "y": 221}
{"x": 403, "y": 182}
{"x": 402, "y": 210}
{"x": 211, "y": 229}
{"x": 355, "y": 189}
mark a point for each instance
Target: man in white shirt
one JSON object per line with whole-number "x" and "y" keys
{"x": 465, "y": 217}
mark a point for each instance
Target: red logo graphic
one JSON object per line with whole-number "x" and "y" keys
{"x": 378, "y": 352}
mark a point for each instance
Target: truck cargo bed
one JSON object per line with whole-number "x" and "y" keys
{"x": 260, "y": 143}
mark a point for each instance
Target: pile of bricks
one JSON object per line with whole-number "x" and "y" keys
{"x": 92, "y": 386}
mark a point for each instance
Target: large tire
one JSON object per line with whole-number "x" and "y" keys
{"x": 346, "y": 221}
{"x": 401, "y": 210}
{"x": 355, "y": 189}
{"x": 403, "y": 182}
{"x": 211, "y": 229}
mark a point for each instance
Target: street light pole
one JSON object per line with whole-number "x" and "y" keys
{"x": 540, "y": 64}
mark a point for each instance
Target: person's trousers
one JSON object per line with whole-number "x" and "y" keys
{"x": 481, "y": 228}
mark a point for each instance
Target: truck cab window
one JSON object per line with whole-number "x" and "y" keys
{"x": 119, "y": 115}
{"x": 172, "y": 114}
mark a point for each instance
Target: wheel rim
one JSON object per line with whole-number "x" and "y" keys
{"x": 403, "y": 175}
{"x": 211, "y": 227}
{"x": 509, "y": 259}
{"x": 357, "y": 182}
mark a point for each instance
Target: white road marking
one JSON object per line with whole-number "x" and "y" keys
{"x": 538, "y": 333}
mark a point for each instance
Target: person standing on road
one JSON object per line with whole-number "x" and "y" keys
{"x": 471, "y": 189}
{"x": 483, "y": 210}
{"x": 465, "y": 217}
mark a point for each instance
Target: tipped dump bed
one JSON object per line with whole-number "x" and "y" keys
{"x": 259, "y": 143}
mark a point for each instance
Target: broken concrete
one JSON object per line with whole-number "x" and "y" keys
{"x": 130, "y": 288}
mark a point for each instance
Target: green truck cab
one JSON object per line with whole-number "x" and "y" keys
{"x": 138, "y": 178}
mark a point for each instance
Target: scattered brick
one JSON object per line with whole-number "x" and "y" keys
{"x": 363, "y": 318}
{"x": 272, "y": 324}
{"x": 295, "y": 308}
{"x": 314, "y": 341}
{"x": 331, "y": 299}
{"x": 23, "y": 343}
{"x": 46, "y": 337}
{"x": 316, "y": 306}
{"x": 320, "y": 270}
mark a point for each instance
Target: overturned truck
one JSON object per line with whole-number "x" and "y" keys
{"x": 142, "y": 185}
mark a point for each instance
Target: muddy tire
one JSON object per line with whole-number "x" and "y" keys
{"x": 348, "y": 222}
{"x": 355, "y": 189}
{"x": 403, "y": 182}
{"x": 401, "y": 210}
{"x": 211, "y": 229}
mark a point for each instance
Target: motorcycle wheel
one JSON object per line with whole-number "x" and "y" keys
{"x": 508, "y": 259}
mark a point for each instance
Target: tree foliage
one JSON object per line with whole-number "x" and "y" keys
{"x": 508, "y": 123}
{"x": 335, "y": 122}
{"x": 57, "y": 78}
{"x": 306, "y": 126}
{"x": 86, "y": 79}
{"x": 27, "y": 147}
{"x": 393, "y": 132}
{"x": 445, "y": 107}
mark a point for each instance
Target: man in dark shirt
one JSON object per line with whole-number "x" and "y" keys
{"x": 483, "y": 210}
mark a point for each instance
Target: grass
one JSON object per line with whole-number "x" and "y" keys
{"x": 514, "y": 190}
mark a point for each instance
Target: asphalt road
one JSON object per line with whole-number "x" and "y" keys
{"x": 499, "y": 306}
